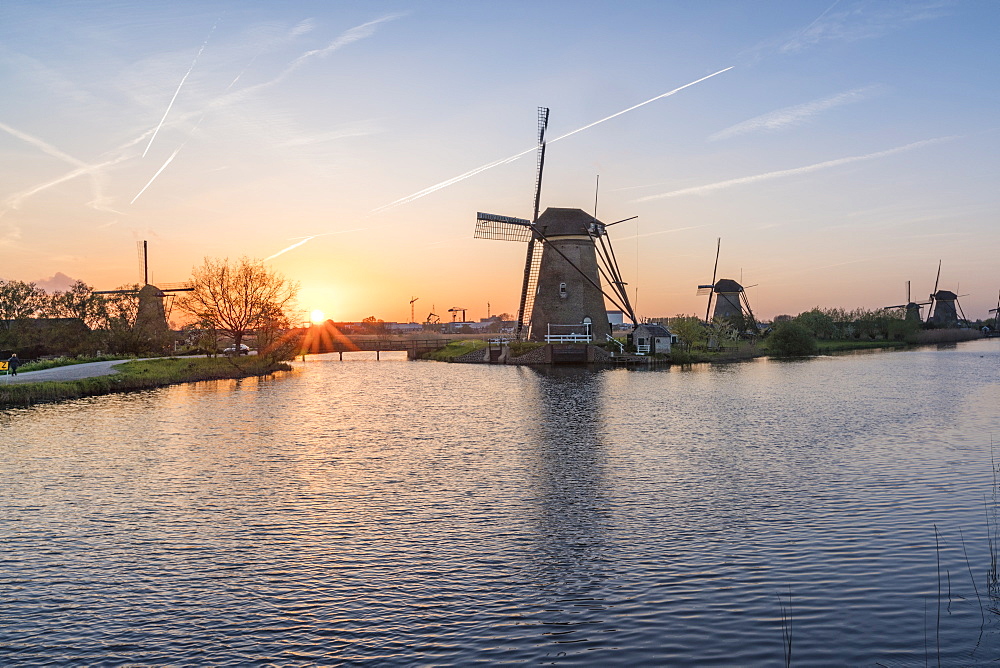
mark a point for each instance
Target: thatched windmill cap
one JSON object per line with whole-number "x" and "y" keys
{"x": 556, "y": 222}
{"x": 727, "y": 285}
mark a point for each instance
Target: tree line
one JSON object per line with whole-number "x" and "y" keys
{"x": 228, "y": 301}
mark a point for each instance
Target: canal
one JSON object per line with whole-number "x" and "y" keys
{"x": 410, "y": 513}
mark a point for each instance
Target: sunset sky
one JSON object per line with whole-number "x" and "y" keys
{"x": 839, "y": 149}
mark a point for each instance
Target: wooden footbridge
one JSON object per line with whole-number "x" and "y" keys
{"x": 329, "y": 339}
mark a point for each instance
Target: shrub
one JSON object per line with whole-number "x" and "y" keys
{"x": 791, "y": 339}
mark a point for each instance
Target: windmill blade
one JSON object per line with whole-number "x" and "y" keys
{"x": 543, "y": 124}
{"x": 746, "y": 303}
{"x": 959, "y": 305}
{"x": 502, "y": 228}
{"x": 607, "y": 254}
{"x": 532, "y": 259}
{"x": 623, "y": 220}
{"x": 705, "y": 289}
{"x": 715, "y": 269}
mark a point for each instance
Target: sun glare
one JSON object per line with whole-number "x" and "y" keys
{"x": 317, "y": 316}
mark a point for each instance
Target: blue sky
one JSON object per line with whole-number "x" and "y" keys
{"x": 839, "y": 150}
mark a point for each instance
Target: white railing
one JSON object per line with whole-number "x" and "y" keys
{"x": 621, "y": 346}
{"x": 572, "y": 333}
{"x": 568, "y": 338}
{"x": 642, "y": 350}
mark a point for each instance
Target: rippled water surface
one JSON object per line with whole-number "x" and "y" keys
{"x": 398, "y": 512}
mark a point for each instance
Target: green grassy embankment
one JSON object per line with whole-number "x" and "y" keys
{"x": 139, "y": 376}
{"x": 455, "y": 349}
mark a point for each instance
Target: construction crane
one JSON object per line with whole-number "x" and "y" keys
{"x": 412, "y": 317}
{"x": 455, "y": 310}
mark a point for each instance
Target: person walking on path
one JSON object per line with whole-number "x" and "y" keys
{"x": 12, "y": 363}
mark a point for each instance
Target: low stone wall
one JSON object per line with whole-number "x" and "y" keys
{"x": 535, "y": 356}
{"x": 541, "y": 355}
{"x": 481, "y": 356}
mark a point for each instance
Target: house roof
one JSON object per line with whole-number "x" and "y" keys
{"x": 655, "y": 329}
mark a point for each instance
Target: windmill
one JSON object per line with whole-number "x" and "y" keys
{"x": 568, "y": 254}
{"x": 912, "y": 308}
{"x": 155, "y": 303}
{"x": 945, "y": 306}
{"x": 731, "y": 302}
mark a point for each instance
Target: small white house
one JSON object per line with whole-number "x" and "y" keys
{"x": 652, "y": 339}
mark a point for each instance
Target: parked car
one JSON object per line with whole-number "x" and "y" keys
{"x": 231, "y": 350}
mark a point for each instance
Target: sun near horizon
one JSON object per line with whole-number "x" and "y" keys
{"x": 317, "y": 316}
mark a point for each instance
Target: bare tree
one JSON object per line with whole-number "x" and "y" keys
{"x": 237, "y": 297}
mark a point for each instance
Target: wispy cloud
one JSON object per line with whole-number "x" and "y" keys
{"x": 659, "y": 232}
{"x": 361, "y": 129}
{"x": 303, "y": 240}
{"x": 14, "y": 201}
{"x": 862, "y": 20}
{"x": 795, "y": 115}
{"x": 504, "y": 161}
{"x": 346, "y": 38}
{"x": 797, "y": 171}
{"x": 44, "y": 146}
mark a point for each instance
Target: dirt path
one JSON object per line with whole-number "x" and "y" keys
{"x": 69, "y": 372}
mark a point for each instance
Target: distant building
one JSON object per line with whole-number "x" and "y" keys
{"x": 652, "y": 339}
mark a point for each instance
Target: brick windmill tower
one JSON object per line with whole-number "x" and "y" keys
{"x": 569, "y": 270}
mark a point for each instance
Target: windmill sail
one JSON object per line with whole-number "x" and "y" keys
{"x": 531, "y": 265}
{"x": 502, "y": 228}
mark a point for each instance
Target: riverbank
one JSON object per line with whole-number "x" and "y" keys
{"x": 472, "y": 350}
{"x": 137, "y": 375}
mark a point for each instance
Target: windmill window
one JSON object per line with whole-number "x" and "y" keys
{"x": 562, "y": 290}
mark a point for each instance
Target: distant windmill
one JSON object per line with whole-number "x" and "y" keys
{"x": 912, "y": 308}
{"x": 945, "y": 306}
{"x": 567, "y": 257}
{"x": 155, "y": 303}
{"x": 731, "y": 300}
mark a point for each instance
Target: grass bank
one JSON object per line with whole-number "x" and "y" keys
{"x": 139, "y": 376}
{"x": 455, "y": 349}
{"x": 834, "y": 346}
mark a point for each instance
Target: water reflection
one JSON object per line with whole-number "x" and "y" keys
{"x": 566, "y": 457}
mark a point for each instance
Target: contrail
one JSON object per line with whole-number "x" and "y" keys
{"x": 504, "y": 161}
{"x": 169, "y": 160}
{"x": 698, "y": 190}
{"x": 310, "y": 238}
{"x": 43, "y": 146}
{"x": 15, "y": 200}
{"x": 176, "y": 92}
